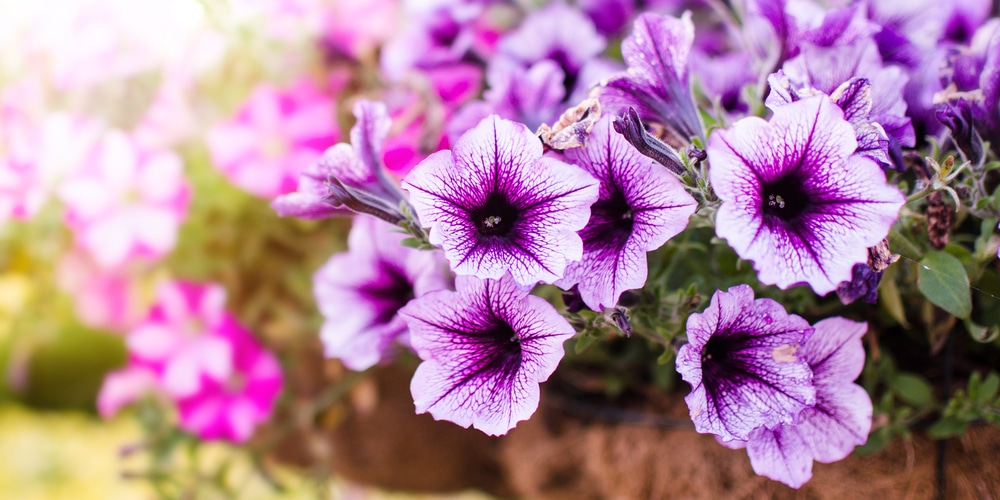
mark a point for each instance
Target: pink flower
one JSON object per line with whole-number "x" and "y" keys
{"x": 36, "y": 150}
{"x": 230, "y": 409}
{"x": 274, "y": 137}
{"x": 192, "y": 351}
{"x": 128, "y": 202}
{"x": 186, "y": 338}
{"x": 108, "y": 299}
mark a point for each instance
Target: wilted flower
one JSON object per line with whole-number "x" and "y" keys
{"x": 361, "y": 291}
{"x": 276, "y": 134}
{"x": 494, "y": 204}
{"x": 640, "y": 206}
{"x": 795, "y": 199}
{"x": 485, "y": 348}
{"x": 744, "y": 366}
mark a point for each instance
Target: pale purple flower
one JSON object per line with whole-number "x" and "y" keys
{"x": 557, "y": 32}
{"x": 231, "y": 408}
{"x": 840, "y": 419}
{"x": 347, "y": 175}
{"x": 970, "y": 105}
{"x": 531, "y": 96}
{"x": 830, "y": 69}
{"x": 639, "y": 207}
{"x": 485, "y": 349}
{"x": 360, "y": 292}
{"x": 128, "y": 202}
{"x": 496, "y": 205}
{"x": 795, "y": 199}
{"x": 438, "y": 32}
{"x": 274, "y": 136}
{"x": 656, "y": 82}
{"x": 108, "y": 299}
{"x": 743, "y": 364}
{"x": 184, "y": 339}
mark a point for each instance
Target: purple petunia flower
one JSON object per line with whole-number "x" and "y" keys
{"x": 795, "y": 200}
{"x": 531, "y": 96}
{"x": 640, "y": 206}
{"x": 485, "y": 348}
{"x": 743, "y": 365}
{"x": 348, "y": 175}
{"x": 656, "y": 83}
{"x": 557, "y": 32}
{"x": 360, "y": 292}
{"x": 494, "y": 204}
{"x": 840, "y": 420}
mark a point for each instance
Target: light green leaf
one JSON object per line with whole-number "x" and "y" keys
{"x": 943, "y": 281}
{"x": 913, "y": 389}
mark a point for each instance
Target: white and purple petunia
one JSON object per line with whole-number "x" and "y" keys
{"x": 640, "y": 206}
{"x": 840, "y": 420}
{"x": 795, "y": 199}
{"x": 656, "y": 83}
{"x": 485, "y": 350}
{"x": 361, "y": 291}
{"x": 496, "y": 205}
{"x": 743, "y": 364}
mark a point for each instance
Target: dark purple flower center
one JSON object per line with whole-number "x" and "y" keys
{"x": 502, "y": 349}
{"x": 784, "y": 199}
{"x": 611, "y": 223}
{"x": 720, "y": 367}
{"x": 497, "y": 217}
{"x": 389, "y": 293}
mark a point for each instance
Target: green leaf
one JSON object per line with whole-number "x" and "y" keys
{"x": 890, "y": 298}
{"x": 410, "y": 242}
{"x": 947, "y": 427}
{"x": 943, "y": 281}
{"x": 988, "y": 389}
{"x": 913, "y": 390}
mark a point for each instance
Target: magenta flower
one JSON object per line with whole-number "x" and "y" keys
{"x": 123, "y": 387}
{"x": 840, "y": 420}
{"x": 485, "y": 348}
{"x": 185, "y": 338}
{"x": 795, "y": 199}
{"x": 743, "y": 364}
{"x": 350, "y": 175}
{"x": 640, "y": 206}
{"x": 494, "y": 204}
{"x": 360, "y": 293}
{"x": 127, "y": 203}
{"x": 108, "y": 299}
{"x": 275, "y": 135}
{"x": 231, "y": 408}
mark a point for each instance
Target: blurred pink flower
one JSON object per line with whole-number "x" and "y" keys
{"x": 127, "y": 202}
{"x": 108, "y": 299}
{"x": 357, "y": 28}
{"x": 36, "y": 150}
{"x": 122, "y": 387}
{"x": 194, "y": 352}
{"x": 186, "y": 338}
{"x": 230, "y": 409}
{"x": 274, "y": 136}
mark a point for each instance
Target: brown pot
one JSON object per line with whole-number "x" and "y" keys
{"x": 571, "y": 451}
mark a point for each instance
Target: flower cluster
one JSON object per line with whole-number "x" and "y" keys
{"x": 639, "y": 156}
{"x": 193, "y": 352}
{"x": 767, "y": 380}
